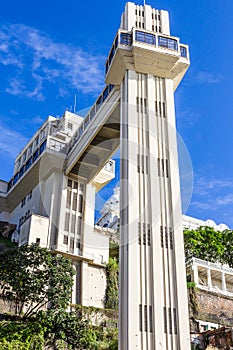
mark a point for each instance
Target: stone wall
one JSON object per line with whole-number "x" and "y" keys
{"x": 210, "y": 307}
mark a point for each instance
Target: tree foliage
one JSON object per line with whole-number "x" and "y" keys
{"x": 207, "y": 244}
{"x": 112, "y": 271}
{"x": 30, "y": 278}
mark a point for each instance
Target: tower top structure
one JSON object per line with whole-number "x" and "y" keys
{"x": 144, "y": 44}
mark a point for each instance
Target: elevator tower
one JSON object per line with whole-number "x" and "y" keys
{"x": 148, "y": 65}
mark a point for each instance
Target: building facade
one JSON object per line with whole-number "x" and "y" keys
{"x": 49, "y": 208}
{"x": 57, "y": 173}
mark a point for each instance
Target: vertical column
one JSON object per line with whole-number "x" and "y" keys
{"x": 195, "y": 274}
{"x": 224, "y": 287}
{"x": 209, "y": 278}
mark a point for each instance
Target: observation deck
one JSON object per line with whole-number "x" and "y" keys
{"x": 149, "y": 53}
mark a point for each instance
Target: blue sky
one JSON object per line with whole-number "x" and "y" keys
{"x": 51, "y": 50}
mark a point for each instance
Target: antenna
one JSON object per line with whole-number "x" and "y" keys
{"x": 74, "y": 103}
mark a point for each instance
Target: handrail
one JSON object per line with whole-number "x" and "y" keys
{"x": 91, "y": 114}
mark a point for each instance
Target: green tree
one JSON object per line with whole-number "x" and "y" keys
{"x": 207, "y": 244}
{"x": 112, "y": 271}
{"x": 30, "y": 278}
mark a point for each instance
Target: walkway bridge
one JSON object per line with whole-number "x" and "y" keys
{"x": 98, "y": 136}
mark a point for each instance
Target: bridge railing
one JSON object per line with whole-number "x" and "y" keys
{"x": 91, "y": 114}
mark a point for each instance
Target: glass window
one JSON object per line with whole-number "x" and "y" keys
{"x": 65, "y": 239}
{"x": 16, "y": 177}
{"x": 67, "y": 221}
{"x": 69, "y": 183}
{"x": 183, "y": 51}
{"x": 70, "y": 126}
{"x": 74, "y": 203}
{"x": 145, "y": 37}
{"x": 30, "y": 149}
{"x": 71, "y": 245}
{"x": 168, "y": 43}
{"x": 126, "y": 39}
{"x": 79, "y": 225}
{"x": 24, "y": 156}
{"x": 35, "y": 155}
{"x": 21, "y": 171}
{"x": 80, "y": 203}
{"x": 73, "y": 218}
{"x": 28, "y": 164}
{"x": 78, "y": 244}
{"x": 68, "y": 199}
{"x": 42, "y": 147}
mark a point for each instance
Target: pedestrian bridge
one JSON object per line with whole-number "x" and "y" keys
{"x": 98, "y": 136}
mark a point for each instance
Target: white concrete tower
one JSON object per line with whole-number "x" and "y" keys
{"x": 148, "y": 64}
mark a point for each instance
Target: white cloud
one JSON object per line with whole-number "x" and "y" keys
{"x": 210, "y": 78}
{"x": 204, "y": 186}
{"x": 11, "y": 142}
{"x": 212, "y": 194}
{"x": 35, "y": 55}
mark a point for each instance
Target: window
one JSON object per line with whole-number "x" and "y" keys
{"x": 43, "y": 134}
{"x": 21, "y": 172}
{"x": 30, "y": 149}
{"x": 74, "y": 203}
{"x": 68, "y": 198}
{"x": 35, "y": 155}
{"x": 69, "y": 183}
{"x": 168, "y": 43}
{"x": 67, "y": 221}
{"x": 38, "y": 241}
{"x": 75, "y": 185}
{"x": 71, "y": 244}
{"x": 24, "y": 156}
{"x": 36, "y": 141}
{"x": 80, "y": 203}
{"x": 145, "y": 37}
{"x": 16, "y": 178}
{"x": 70, "y": 126}
{"x": 78, "y": 244}
{"x": 73, "y": 219}
{"x": 29, "y": 196}
{"x": 65, "y": 239}
{"x": 28, "y": 163}
{"x": 19, "y": 163}
{"x": 183, "y": 51}
{"x": 126, "y": 38}
{"x": 23, "y": 202}
{"x": 79, "y": 225}
{"x": 43, "y": 147}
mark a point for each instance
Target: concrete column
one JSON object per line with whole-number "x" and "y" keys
{"x": 195, "y": 274}
{"x": 224, "y": 287}
{"x": 209, "y": 278}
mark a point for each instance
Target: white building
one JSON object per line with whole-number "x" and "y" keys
{"x": 49, "y": 208}
{"x": 55, "y": 180}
